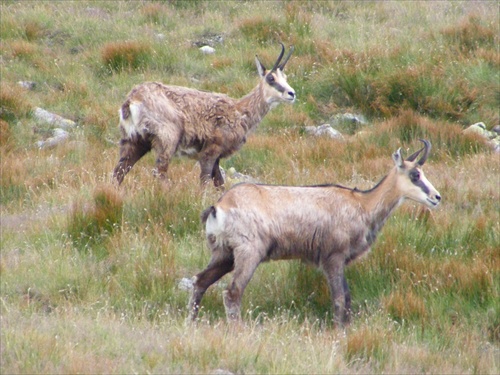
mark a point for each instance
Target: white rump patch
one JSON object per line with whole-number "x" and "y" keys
{"x": 215, "y": 226}
{"x": 131, "y": 124}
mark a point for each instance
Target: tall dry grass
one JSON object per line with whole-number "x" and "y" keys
{"x": 90, "y": 274}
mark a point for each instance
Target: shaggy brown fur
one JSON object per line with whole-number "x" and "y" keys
{"x": 205, "y": 126}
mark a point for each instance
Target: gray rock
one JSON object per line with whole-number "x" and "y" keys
{"x": 221, "y": 371}
{"x": 324, "y": 130}
{"x": 29, "y": 85}
{"x": 209, "y": 39}
{"x": 59, "y": 136}
{"x": 495, "y": 144}
{"x": 185, "y": 284}
{"x": 480, "y": 128}
{"x": 234, "y": 176}
{"x": 160, "y": 36}
{"x": 492, "y": 137}
{"x": 348, "y": 117}
{"x": 53, "y": 119}
{"x": 207, "y": 50}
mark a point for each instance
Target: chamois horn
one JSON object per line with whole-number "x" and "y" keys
{"x": 279, "y": 58}
{"x": 426, "y": 149}
{"x": 282, "y": 65}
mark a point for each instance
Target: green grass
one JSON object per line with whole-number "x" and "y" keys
{"x": 89, "y": 273}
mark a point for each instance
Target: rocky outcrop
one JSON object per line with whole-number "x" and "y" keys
{"x": 491, "y": 137}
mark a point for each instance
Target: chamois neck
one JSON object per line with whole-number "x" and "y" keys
{"x": 380, "y": 201}
{"x": 253, "y": 107}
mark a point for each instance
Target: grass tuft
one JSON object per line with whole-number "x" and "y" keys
{"x": 128, "y": 56}
{"x": 154, "y": 12}
{"x": 366, "y": 344}
{"x": 5, "y": 133}
{"x": 13, "y": 102}
{"x": 33, "y": 30}
{"x": 446, "y": 138}
{"x": 405, "y": 306}
{"x": 91, "y": 225}
{"x": 262, "y": 29}
{"x": 470, "y": 34}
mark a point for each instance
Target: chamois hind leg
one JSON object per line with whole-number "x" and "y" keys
{"x": 214, "y": 271}
{"x": 347, "y": 295}
{"x": 209, "y": 164}
{"x": 216, "y": 175}
{"x": 131, "y": 150}
{"x": 245, "y": 263}
{"x": 334, "y": 271}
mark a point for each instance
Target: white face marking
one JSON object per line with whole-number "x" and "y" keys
{"x": 278, "y": 89}
{"x": 419, "y": 189}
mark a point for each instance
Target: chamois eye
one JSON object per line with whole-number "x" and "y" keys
{"x": 270, "y": 78}
{"x": 414, "y": 176}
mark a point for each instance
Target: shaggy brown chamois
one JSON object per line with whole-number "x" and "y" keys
{"x": 205, "y": 126}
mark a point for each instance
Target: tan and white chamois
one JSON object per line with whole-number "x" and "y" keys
{"x": 326, "y": 225}
{"x": 205, "y": 126}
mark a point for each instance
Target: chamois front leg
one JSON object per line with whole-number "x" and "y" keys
{"x": 246, "y": 261}
{"x": 162, "y": 163}
{"x": 165, "y": 151}
{"x": 131, "y": 150}
{"x": 334, "y": 271}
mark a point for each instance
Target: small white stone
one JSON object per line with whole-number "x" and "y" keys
{"x": 185, "y": 284}
{"x": 207, "y": 50}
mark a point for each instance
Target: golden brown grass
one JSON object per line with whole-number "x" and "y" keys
{"x": 424, "y": 301}
{"x": 125, "y": 55}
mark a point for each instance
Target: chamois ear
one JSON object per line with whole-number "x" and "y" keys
{"x": 398, "y": 159}
{"x": 260, "y": 67}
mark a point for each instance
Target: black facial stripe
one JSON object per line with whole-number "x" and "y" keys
{"x": 278, "y": 87}
{"x": 272, "y": 82}
{"x": 422, "y": 186}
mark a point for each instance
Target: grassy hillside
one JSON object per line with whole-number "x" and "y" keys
{"x": 90, "y": 273}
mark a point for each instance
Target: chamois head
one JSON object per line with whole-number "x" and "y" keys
{"x": 414, "y": 184}
{"x": 276, "y": 88}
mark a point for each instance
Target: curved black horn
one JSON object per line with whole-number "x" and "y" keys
{"x": 413, "y": 156}
{"x": 282, "y": 65}
{"x": 279, "y": 58}
{"x": 427, "y": 149}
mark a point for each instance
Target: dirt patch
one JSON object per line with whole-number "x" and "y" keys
{"x": 22, "y": 221}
